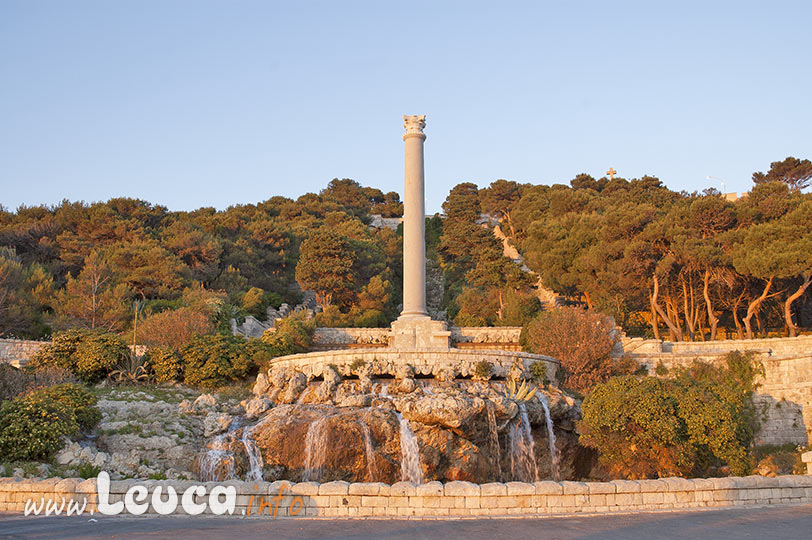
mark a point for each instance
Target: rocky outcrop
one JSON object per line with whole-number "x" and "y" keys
{"x": 349, "y": 429}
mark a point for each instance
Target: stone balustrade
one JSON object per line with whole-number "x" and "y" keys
{"x": 284, "y": 499}
{"x": 441, "y": 363}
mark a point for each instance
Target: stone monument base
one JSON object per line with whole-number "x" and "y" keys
{"x": 419, "y": 333}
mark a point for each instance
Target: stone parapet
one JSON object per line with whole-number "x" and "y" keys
{"x": 480, "y": 338}
{"x": 451, "y": 500}
{"x": 443, "y": 363}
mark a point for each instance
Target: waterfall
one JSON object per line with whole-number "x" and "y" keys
{"x": 372, "y": 471}
{"x": 493, "y": 439}
{"x": 523, "y": 464}
{"x": 409, "y": 453}
{"x": 315, "y": 447}
{"x": 254, "y": 455}
{"x": 550, "y": 437}
{"x": 217, "y": 461}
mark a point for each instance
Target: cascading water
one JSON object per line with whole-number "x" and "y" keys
{"x": 523, "y": 464}
{"x": 493, "y": 439}
{"x": 372, "y": 471}
{"x": 254, "y": 455}
{"x": 217, "y": 464}
{"x": 409, "y": 453}
{"x": 315, "y": 450}
{"x": 550, "y": 436}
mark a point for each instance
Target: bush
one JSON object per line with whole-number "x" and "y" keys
{"x": 32, "y": 425}
{"x": 175, "y": 328}
{"x": 538, "y": 370}
{"x": 211, "y": 361}
{"x": 164, "y": 364}
{"x": 78, "y": 399}
{"x": 14, "y": 381}
{"x": 482, "y": 370}
{"x": 290, "y": 335}
{"x": 581, "y": 340}
{"x": 90, "y": 355}
{"x": 689, "y": 425}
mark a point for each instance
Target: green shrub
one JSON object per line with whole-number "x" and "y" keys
{"x": 482, "y": 370}
{"x": 88, "y": 470}
{"x": 290, "y": 335}
{"x": 211, "y": 361}
{"x": 692, "y": 424}
{"x": 164, "y": 364}
{"x": 90, "y": 355}
{"x": 32, "y": 425}
{"x": 538, "y": 370}
{"x": 78, "y": 399}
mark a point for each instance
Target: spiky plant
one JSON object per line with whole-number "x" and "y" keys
{"x": 521, "y": 392}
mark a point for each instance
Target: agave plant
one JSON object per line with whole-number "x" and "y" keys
{"x": 133, "y": 369}
{"x": 519, "y": 392}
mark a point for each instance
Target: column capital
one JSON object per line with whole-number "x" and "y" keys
{"x": 414, "y": 125}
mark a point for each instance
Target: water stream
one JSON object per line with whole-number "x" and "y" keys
{"x": 523, "y": 466}
{"x": 550, "y": 436}
{"x": 493, "y": 440}
{"x": 372, "y": 471}
{"x": 409, "y": 453}
{"x": 315, "y": 450}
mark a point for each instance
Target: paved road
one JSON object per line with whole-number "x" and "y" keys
{"x": 784, "y": 523}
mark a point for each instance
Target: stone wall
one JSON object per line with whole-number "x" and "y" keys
{"x": 504, "y": 338}
{"x": 784, "y": 398}
{"x": 801, "y": 345}
{"x": 18, "y": 351}
{"x": 430, "y": 362}
{"x": 435, "y": 499}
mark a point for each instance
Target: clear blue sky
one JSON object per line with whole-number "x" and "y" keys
{"x": 201, "y": 103}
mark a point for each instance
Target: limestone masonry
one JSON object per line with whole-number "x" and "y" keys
{"x": 452, "y": 499}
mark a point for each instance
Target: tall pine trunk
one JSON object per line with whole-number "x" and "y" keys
{"x": 793, "y": 330}
{"x": 713, "y": 321}
{"x": 754, "y": 306}
{"x": 674, "y": 329}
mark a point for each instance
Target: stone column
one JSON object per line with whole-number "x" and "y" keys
{"x": 414, "y": 329}
{"x": 414, "y": 222}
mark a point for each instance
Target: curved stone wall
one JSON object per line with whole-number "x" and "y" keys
{"x": 446, "y": 363}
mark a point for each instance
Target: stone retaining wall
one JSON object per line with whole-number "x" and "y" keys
{"x": 435, "y": 499}
{"x": 436, "y": 362}
{"x": 18, "y": 351}
{"x": 800, "y": 345}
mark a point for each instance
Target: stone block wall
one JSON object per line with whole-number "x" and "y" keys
{"x": 450, "y": 500}
{"x": 18, "y": 351}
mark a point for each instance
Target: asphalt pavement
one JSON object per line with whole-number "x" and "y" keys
{"x": 784, "y": 523}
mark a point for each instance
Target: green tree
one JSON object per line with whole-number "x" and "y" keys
{"x": 93, "y": 299}
{"x": 325, "y": 266}
{"x": 463, "y": 203}
{"x": 794, "y": 172}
